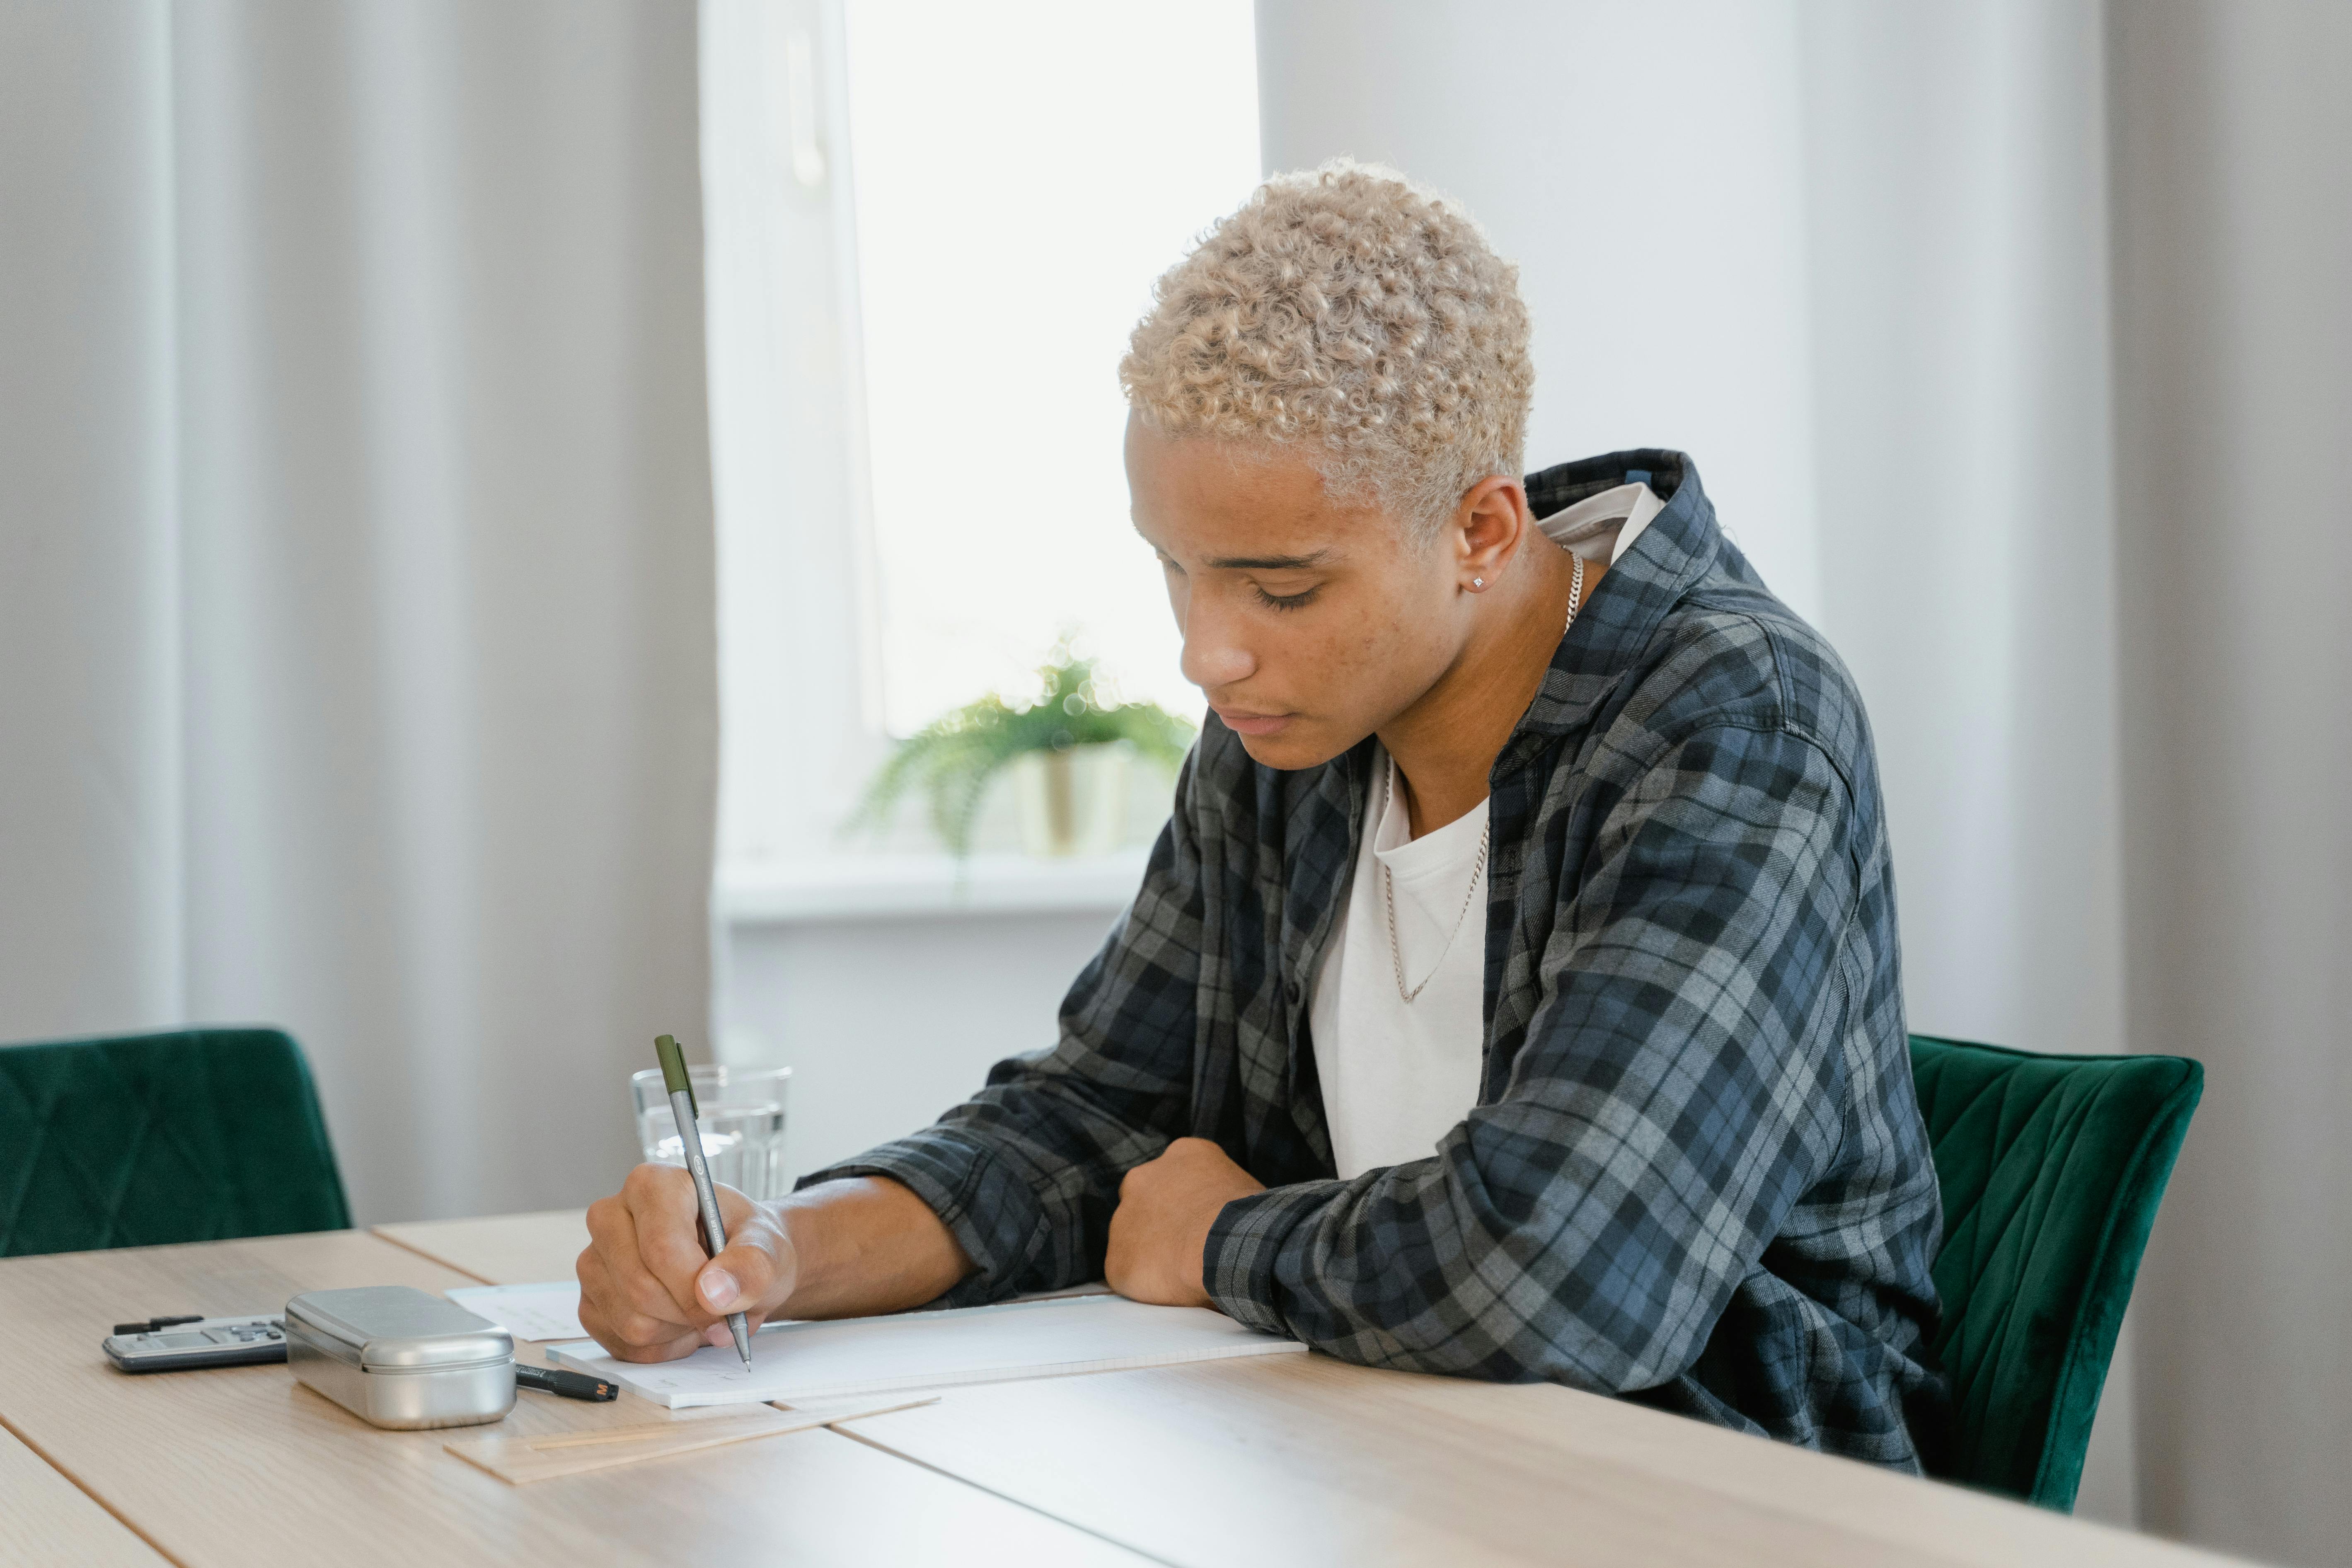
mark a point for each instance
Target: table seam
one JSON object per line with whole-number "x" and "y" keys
{"x": 905, "y": 1458}
{"x": 377, "y": 1231}
{"x": 85, "y": 1489}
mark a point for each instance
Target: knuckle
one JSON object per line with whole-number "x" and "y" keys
{"x": 637, "y": 1329}
{"x": 648, "y": 1298}
{"x": 650, "y": 1181}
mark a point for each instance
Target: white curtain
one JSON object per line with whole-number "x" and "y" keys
{"x": 356, "y": 636}
{"x": 2014, "y": 339}
{"x": 2232, "y": 165}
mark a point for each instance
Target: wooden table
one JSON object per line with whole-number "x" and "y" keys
{"x": 1278, "y": 1459}
{"x": 45, "y": 1517}
{"x": 243, "y": 1466}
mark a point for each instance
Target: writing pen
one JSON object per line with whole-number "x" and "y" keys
{"x": 690, "y": 1140}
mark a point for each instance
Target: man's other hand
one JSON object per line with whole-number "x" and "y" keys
{"x": 1160, "y": 1228}
{"x": 648, "y": 1291}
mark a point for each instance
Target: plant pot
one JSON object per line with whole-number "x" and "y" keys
{"x": 1072, "y": 802}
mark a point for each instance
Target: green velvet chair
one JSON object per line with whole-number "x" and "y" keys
{"x": 2051, "y": 1168}
{"x": 189, "y": 1135}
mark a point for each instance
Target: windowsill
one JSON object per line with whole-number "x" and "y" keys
{"x": 899, "y": 887}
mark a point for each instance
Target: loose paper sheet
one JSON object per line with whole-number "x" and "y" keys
{"x": 797, "y": 1361}
{"x": 518, "y": 1460}
{"x": 549, "y": 1311}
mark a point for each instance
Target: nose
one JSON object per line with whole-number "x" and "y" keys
{"x": 1215, "y": 656}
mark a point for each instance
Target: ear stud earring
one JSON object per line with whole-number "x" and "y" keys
{"x": 1477, "y": 582}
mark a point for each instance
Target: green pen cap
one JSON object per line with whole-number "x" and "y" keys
{"x": 673, "y": 1066}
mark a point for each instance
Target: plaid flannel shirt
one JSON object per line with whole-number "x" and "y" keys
{"x": 1696, "y": 1174}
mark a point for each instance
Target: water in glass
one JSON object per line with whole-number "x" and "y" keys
{"x": 740, "y": 1112}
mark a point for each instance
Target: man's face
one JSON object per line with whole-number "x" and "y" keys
{"x": 1307, "y": 625}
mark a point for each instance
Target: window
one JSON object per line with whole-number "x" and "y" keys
{"x": 1024, "y": 170}
{"x": 929, "y": 228}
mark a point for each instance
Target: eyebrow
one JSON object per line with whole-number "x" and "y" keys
{"x": 1270, "y": 563}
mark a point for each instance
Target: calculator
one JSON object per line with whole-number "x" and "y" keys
{"x": 199, "y": 1341}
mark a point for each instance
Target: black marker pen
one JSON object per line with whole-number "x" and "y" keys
{"x": 569, "y": 1384}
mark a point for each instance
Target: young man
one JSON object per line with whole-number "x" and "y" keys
{"x": 1514, "y": 992}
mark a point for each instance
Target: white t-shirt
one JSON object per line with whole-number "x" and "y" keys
{"x": 1397, "y": 1076}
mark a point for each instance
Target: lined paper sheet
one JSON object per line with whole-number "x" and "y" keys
{"x": 798, "y": 1361}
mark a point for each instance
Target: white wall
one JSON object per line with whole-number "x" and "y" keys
{"x": 1956, "y": 173}
{"x": 1641, "y": 165}
{"x": 887, "y": 1023}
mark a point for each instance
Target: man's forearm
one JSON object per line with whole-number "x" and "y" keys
{"x": 866, "y": 1245}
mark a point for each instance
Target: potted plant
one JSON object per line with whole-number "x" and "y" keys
{"x": 1069, "y": 747}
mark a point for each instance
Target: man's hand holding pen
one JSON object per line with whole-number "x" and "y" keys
{"x": 648, "y": 1291}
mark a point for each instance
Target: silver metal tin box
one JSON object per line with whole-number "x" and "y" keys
{"x": 394, "y": 1356}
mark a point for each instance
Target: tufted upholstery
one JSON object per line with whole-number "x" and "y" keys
{"x": 192, "y": 1135}
{"x": 2051, "y": 1168}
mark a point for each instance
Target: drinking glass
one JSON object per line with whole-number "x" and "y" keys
{"x": 741, "y": 1114}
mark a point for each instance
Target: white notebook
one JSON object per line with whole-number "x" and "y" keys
{"x": 798, "y": 1361}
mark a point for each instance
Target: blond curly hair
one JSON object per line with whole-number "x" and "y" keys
{"x": 1350, "y": 312}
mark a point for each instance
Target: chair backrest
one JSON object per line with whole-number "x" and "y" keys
{"x": 2051, "y": 1168}
{"x": 189, "y": 1135}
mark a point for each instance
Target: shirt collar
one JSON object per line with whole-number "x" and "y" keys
{"x": 1668, "y": 558}
{"x": 1603, "y": 527}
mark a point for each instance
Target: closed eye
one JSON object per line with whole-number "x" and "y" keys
{"x": 1283, "y": 601}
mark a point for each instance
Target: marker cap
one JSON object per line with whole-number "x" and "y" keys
{"x": 672, "y": 1067}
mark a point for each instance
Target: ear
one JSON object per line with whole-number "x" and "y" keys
{"x": 1490, "y": 522}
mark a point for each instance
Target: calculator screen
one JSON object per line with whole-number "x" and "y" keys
{"x": 180, "y": 1342}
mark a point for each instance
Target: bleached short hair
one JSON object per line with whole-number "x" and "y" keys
{"x": 1351, "y": 314}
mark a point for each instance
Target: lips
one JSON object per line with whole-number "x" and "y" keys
{"x": 1245, "y": 723}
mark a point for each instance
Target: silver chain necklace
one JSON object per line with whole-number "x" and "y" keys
{"x": 1486, "y": 835}
{"x": 1396, "y": 949}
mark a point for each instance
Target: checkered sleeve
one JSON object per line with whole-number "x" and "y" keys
{"x": 1026, "y": 1172}
{"x": 1678, "y": 1090}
